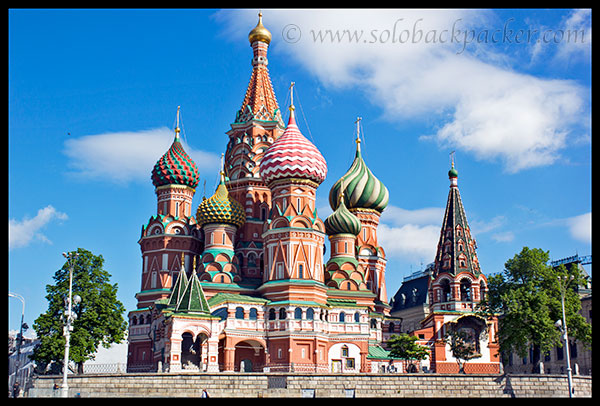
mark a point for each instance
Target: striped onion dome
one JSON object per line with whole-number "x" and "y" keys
{"x": 362, "y": 190}
{"x": 293, "y": 156}
{"x": 220, "y": 208}
{"x": 341, "y": 221}
{"x": 175, "y": 167}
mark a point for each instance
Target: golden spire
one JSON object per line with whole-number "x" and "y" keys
{"x": 292, "y": 108}
{"x": 358, "y": 132}
{"x": 259, "y": 33}
{"x": 177, "y": 130}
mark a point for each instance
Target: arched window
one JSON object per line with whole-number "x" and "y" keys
{"x": 272, "y": 314}
{"x": 445, "y": 285}
{"x": 310, "y": 314}
{"x": 253, "y": 314}
{"x": 465, "y": 290}
{"x": 357, "y": 317}
{"x": 239, "y": 312}
{"x": 391, "y": 328}
{"x": 282, "y": 314}
{"x": 298, "y": 313}
{"x": 342, "y": 317}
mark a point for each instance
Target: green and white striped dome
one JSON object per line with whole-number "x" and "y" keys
{"x": 341, "y": 221}
{"x": 362, "y": 190}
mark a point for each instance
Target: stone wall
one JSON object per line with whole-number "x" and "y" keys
{"x": 317, "y": 385}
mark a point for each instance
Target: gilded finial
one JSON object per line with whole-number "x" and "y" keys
{"x": 177, "y": 130}
{"x": 292, "y": 108}
{"x": 259, "y": 33}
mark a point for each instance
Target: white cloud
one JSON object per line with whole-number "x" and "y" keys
{"x": 412, "y": 242}
{"x": 127, "y": 156}
{"x": 21, "y": 233}
{"x": 580, "y": 227}
{"x": 425, "y": 216}
{"x": 576, "y": 36}
{"x": 410, "y": 234}
{"x": 506, "y": 236}
{"x": 485, "y": 108}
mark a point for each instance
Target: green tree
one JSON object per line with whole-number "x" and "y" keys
{"x": 463, "y": 347}
{"x": 404, "y": 346}
{"x": 99, "y": 315}
{"x": 526, "y": 296}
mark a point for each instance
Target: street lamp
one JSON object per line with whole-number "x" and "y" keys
{"x": 562, "y": 326}
{"x": 20, "y": 337}
{"x": 70, "y": 317}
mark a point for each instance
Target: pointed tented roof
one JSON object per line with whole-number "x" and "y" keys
{"x": 456, "y": 251}
{"x": 178, "y": 288}
{"x": 193, "y": 300}
{"x": 259, "y": 102}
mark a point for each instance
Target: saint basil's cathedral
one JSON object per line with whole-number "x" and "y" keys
{"x": 244, "y": 284}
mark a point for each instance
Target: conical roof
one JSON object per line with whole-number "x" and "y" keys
{"x": 456, "y": 250}
{"x": 193, "y": 300}
{"x": 179, "y": 287}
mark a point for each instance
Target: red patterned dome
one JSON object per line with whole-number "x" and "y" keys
{"x": 293, "y": 156}
{"x": 175, "y": 167}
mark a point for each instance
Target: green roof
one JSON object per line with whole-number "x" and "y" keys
{"x": 378, "y": 352}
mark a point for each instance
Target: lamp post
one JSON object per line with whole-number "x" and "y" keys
{"x": 70, "y": 317}
{"x": 20, "y": 337}
{"x": 562, "y": 325}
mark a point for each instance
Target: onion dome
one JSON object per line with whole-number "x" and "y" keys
{"x": 175, "y": 167}
{"x": 453, "y": 173}
{"x": 341, "y": 221}
{"x": 293, "y": 156}
{"x": 220, "y": 208}
{"x": 362, "y": 189}
{"x": 259, "y": 33}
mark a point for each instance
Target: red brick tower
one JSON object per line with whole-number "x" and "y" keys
{"x": 170, "y": 237}
{"x": 257, "y": 125}
{"x": 455, "y": 288}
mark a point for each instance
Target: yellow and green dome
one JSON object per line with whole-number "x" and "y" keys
{"x": 221, "y": 208}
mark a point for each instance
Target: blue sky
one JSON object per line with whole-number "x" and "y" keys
{"x": 93, "y": 96}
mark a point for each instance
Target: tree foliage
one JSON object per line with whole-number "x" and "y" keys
{"x": 462, "y": 346}
{"x": 527, "y": 298}
{"x": 404, "y": 346}
{"x": 99, "y": 315}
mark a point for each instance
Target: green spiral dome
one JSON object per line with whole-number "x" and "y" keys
{"x": 362, "y": 190}
{"x": 341, "y": 221}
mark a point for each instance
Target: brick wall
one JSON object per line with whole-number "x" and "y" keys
{"x": 319, "y": 385}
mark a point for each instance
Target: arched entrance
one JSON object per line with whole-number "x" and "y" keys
{"x": 191, "y": 350}
{"x": 249, "y": 356}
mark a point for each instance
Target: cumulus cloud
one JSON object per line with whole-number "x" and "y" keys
{"x": 127, "y": 156}
{"x": 580, "y": 227}
{"x": 410, "y": 241}
{"x": 22, "y": 232}
{"x": 484, "y": 107}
